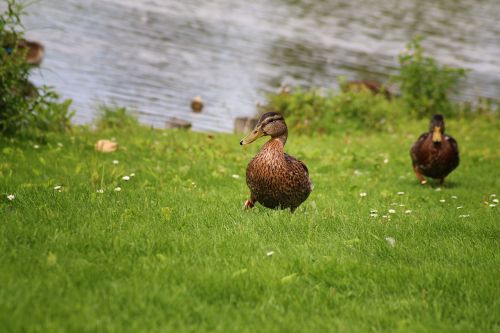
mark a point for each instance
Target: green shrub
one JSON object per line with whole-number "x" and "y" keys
{"x": 311, "y": 111}
{"x": 115, "y": 117}
{"x": 24, "y": 108}
{"x": 424, "y": 84}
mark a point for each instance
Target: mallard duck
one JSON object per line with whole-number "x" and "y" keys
{"x": 372, "y": 86}
{"x": 275, "y": 179}
{"x": 434, "y": 154}
{"x": 31, "y": 50}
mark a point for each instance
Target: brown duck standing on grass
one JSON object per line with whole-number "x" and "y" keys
{"x": 275, "y": 179}
{"x": 434, "y": 154}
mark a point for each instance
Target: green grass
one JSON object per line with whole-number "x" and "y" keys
{"x": 174, "y": 251}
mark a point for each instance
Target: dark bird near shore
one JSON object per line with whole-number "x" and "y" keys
{"x": 434, "y": 154}
{"x": 275, "y": 179}
{"x": 33, "y": 52}
{"x": 371, "y": 86}
{"x": 197, "y": 104}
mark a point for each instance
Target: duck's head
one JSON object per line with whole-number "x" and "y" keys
{"x": 436, "y": 127}
{"x": 270, "y": 123}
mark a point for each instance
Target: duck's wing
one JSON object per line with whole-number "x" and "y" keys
{"x": 416, "y": 145}
{"x": 453, "y": 143}
{"x": 291, "y": 159}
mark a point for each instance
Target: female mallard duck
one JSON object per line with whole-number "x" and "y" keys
{"x": 434, "y": 154}
{"x": 275, "y": 179}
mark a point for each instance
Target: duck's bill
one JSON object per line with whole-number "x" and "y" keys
{"x": 436, "y": 135}
{"x": 254, "y": 135}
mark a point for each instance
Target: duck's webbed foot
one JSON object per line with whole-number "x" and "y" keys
{"x": 419, "y": 175}
{"x": 249, "y": 204}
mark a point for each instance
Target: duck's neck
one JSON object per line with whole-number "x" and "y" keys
{"x": 281, "y": 138}
{"x": 274, "y": 145}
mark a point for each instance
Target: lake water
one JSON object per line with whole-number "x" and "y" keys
{"x": 154, "y": 56}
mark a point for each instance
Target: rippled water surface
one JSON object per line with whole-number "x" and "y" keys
{"x": 154, "y": 56}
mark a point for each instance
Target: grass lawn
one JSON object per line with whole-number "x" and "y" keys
{"x": 174, "y": 251}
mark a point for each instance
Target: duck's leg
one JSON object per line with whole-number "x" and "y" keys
{"x": 419, "y": 175}
{"x": 249, "y": 203}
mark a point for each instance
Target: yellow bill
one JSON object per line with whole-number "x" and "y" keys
{"x": 436, "y": 135}
{"x": 254, "y": 135}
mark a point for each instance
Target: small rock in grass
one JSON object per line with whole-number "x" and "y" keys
{"x": 106, "y": 146}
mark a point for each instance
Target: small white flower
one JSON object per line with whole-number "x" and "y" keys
{"x": 495, "y": 200}
{"x": 126, "y": 178}
{"x": 385, "y": 216}
{"x": 493, "y": 205}
{"x": 401, "y": 193}
{"x": 363, "y": 194}
{"x": 270, "y": 253}
{"x": 438, "y": 189}
{"x": 115, "y": 162}
{"x": 408, "y": 211}
{"x": 100, "y": 191}
{"x": 391, "y": 241}
{"x": 401, "y": 205}
{"x": 373, "y": 211}
{"x": 11, "y": 197}
{"x": 373, "y": 214}
{"x": 386, "y": 160}
{"x": 60, "y": 145}
{"x": 236, "y": 176}
{"x": 118, "y": 189}
{"x": 453, "y": 196}
{"x": 357, "y": 173}
{"x": 36, "y": 146}
{"x": 460, "y": 207}
{"x": 57, "y": 188}
{"x": 392, "y": 211}
{"x": 442, "y": 200}
{"x": 132, "y": 174}
{"x": 493, "y": 195}
{"x": 462, "y": 216}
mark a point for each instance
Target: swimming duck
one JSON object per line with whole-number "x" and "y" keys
{"x": 434, "y": 154}
{"x": 275, "y": 179}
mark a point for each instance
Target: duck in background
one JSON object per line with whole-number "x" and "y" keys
{"x": 371, "y": 86}
{"x": 435, "y": 154}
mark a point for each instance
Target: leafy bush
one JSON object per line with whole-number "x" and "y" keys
{"x": 425, "y": 85}
{"x": 311, "y": 111}
{"x": 115, "y": 117}
{"x": 23, "y": 107}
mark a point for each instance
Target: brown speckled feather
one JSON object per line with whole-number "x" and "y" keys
{"x": 277, "y": 180}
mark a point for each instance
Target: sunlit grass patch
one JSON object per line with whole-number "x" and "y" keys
{"x": 165, "y": 245}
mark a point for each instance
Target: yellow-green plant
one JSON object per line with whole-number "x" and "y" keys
{"x": 425, "y": 85}
{"x": 24, "y": 107}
